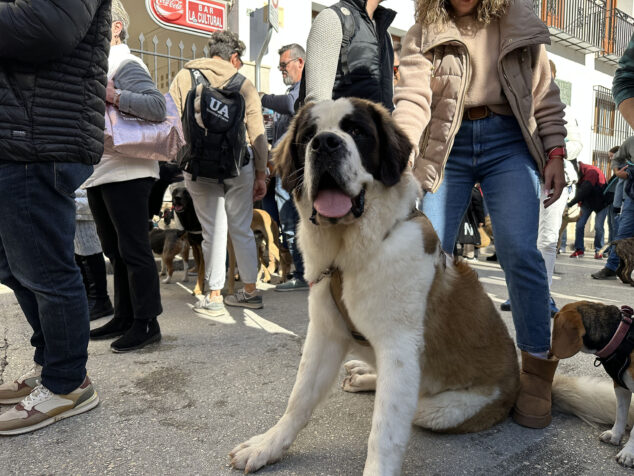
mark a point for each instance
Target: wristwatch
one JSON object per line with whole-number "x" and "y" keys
{"x": 117, "y": 97}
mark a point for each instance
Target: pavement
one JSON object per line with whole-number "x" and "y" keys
{"x": 180, "y": 406}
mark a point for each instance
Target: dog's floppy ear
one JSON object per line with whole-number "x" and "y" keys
{"x": 394, "y": 146}
{"x": 568, "y": 331}
{"x": 287, "y": 156}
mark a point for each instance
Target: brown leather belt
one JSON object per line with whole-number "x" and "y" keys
{"x": 476, "y": 113}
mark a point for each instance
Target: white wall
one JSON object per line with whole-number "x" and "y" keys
{"x": 581, "y": 71}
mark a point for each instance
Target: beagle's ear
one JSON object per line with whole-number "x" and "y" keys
{"x": 568, "y": 332}
{"x": 394, "y": 146}
{"x": 288, "y": 155}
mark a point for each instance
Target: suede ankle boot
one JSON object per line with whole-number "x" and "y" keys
{"x": 532, "y": 407}
{"x": 115, "y": 327}
{"x": 142, "y": 333}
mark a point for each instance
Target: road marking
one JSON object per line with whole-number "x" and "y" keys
{"x": 251, "y": 319}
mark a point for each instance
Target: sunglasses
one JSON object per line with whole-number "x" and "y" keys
{"x": 282, "y": 66}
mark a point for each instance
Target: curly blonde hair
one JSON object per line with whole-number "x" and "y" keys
{"x": 433, "y": 12}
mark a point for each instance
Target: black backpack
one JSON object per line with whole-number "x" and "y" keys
{"x": 216, "y": 141}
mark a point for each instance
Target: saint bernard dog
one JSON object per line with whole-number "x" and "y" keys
{"x": 444, "y": 359}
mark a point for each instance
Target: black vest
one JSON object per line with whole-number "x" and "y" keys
{"x": 365, "y": 67}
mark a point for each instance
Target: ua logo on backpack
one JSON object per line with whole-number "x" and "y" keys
{"x": 213, "y": 125}
{"x": 219, "y": 108}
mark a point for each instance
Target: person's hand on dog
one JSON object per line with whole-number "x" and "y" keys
{"x": 554, "y": 180}
{"x": 259, "y": 185}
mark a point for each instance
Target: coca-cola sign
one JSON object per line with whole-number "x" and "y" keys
{"x": 194, "y": 16}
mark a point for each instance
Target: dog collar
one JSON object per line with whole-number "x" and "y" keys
{"x": 619, "y": 335}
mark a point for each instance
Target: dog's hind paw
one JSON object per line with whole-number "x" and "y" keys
{"x": 610, "y": 437}
{"x": 358, "y": 367}
{"x": 255, "y": 453}
{"x": 359, "y": 383}
{"x": 625, "y": 457}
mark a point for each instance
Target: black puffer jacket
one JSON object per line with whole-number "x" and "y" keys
{"x": 53, "y": 64}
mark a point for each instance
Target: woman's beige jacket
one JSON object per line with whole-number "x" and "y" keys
{"x": 435, "y": 73}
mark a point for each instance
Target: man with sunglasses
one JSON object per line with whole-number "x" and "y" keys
{"x": 291, "y": 66}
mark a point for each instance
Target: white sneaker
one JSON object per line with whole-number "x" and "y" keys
{"x": 212, "y": 306}
{"x": 13, "y": 392}
{"x": 42, "y": 408}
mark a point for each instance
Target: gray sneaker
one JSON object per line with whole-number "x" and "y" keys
{"x": 294, "y": 284}
{"x": 244, "y": 299}
{"x": 213, "y": 306}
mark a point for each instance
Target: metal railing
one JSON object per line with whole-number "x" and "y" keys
{"x": 163, "y": 66}
{"x": 588, "y": 26}
{"x": 609, "y": 128}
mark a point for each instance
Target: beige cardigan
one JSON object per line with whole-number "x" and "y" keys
{"x": 435, "y": 74}
{"x": 218, "y": 72}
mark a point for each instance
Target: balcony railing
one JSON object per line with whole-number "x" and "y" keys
{"x": 588, "y": 26}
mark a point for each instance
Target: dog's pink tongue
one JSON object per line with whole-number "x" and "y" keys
{"x": 333, "y": 203}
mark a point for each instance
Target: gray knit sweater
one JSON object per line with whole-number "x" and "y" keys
{"x": 322, "y": 55}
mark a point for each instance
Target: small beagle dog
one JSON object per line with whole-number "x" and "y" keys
{"x": 608, "y": 333}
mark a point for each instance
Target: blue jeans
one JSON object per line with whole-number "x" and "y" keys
{"x": 492, "y": 151}
{"x": 599, "y": 222}
{"x": 37, "y": 262}
{"x": 625, "y": 229}
{"x": 288, "y": 220}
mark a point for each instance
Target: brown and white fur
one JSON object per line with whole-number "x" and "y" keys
{"x": 443, "y": 356}
{"x": 587, "y": 327}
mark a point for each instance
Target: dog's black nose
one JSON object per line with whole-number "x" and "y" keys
{"x": 327, "y": 142}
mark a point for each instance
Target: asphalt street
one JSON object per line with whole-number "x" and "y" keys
{"x": 180, "y": 406}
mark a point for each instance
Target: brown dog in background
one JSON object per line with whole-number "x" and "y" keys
{"x": 168, "y": 244}
{"x": 271, "y": 255}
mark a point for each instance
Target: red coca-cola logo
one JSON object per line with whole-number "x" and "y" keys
{"x": 170, "y": 10}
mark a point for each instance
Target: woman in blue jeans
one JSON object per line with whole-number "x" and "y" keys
{"x": 496, "y": 119}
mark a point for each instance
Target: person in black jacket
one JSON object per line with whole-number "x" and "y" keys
{"x": 349, "y": 53}
{"x": 53, "y": 62}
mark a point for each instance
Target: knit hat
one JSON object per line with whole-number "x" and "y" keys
{"x": 119, "y": 14}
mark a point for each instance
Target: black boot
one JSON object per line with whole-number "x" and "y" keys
{"x": 99, "y": 303}
{"x": 141, "y": 333}
{"x": 493, "y": 257}
{"x": 115, "y": 327}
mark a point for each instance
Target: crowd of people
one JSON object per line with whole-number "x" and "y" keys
{"x": 491, "y": 136}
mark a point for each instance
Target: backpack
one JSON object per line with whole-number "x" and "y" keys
{"x": 348, "y": 29}
{"x": 214, "y": 129}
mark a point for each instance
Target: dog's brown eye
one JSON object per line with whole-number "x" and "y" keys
{"x": 307, "y": 135}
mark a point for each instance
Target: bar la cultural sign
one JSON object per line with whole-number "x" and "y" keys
{"x": 200, "y": 17}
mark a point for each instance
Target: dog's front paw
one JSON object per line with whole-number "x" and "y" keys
{"x": 254, "y": 453}
{"x": 167, "y": 280}
{"x": 611, "y": 437}
{"x": 626, "y": 457}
